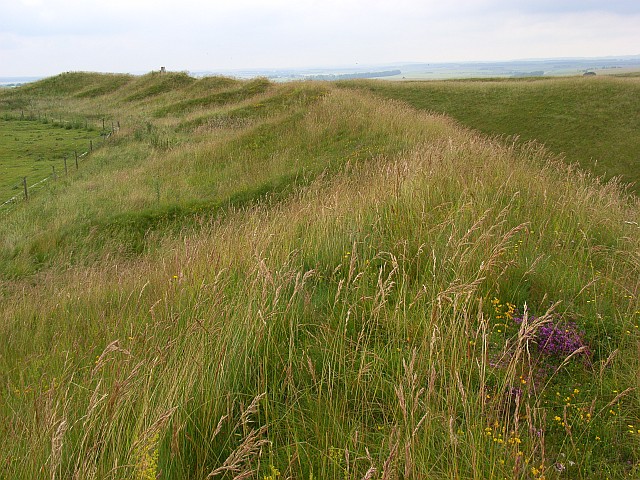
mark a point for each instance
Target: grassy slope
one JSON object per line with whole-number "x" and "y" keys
{"x": 313, "y": 282}
{"x": 592, "y": 121}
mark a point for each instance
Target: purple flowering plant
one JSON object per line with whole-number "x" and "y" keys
{"x": 558, "y": 339}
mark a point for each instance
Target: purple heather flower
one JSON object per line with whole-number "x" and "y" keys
{"x": 557, "y": 339}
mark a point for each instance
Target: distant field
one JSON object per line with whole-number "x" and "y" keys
{"x": 30, "y": 149}
{"x": 471, "y": 73}
{"x": 593, "y": 122}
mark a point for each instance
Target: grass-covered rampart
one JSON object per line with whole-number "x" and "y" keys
{"x": 341, "y": 287}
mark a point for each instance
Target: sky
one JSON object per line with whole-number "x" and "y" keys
{"x": 46, "y": 37}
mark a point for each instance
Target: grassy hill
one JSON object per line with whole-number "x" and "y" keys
{"x": 593, "y": 122}
{"x": 256, "y": 280}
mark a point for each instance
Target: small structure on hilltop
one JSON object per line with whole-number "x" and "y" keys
{"x": 163, "y": 70}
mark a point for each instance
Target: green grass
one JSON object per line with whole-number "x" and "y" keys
{"x": 225, "y": 97}
{"x": 75, "y": 83}
{"x": 157, "y": 83}
{"x": 31, "y": 149}
{"x": 313, "y": 282}
{"x": 591, "y": 121}
{"x": 241, "y": 115}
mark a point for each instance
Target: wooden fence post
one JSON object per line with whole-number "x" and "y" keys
{"x": 24, "y": 183}
{"x": 54, "y": 171}
{"x": 76, "y": 153}
{"x": 91, "y": 145}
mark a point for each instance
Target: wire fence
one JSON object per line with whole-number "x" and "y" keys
{"x": 59, "y": 121}
{"x": 28, "y": 190}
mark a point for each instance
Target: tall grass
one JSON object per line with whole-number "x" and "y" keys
{"x": 379, "y": 319}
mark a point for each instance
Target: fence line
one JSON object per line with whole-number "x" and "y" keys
{"x": 25, "y": 195}
{"x": 78, "y": 123}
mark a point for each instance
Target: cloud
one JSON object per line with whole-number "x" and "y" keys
{"x": 60, "y": 17}
{"x": 134, "y": 35}
{"x": 619, "y": 7}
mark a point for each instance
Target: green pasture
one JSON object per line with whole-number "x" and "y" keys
{"x": 31, "y": 149}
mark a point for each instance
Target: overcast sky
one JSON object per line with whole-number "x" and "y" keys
{"x": 45, "y": 37}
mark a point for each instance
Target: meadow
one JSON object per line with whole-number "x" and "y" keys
{"x": 308, "y": 281}
{"x": 33, "y": 148}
